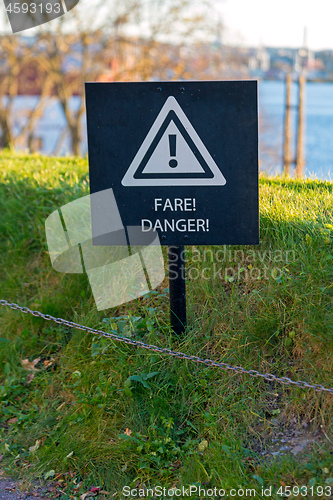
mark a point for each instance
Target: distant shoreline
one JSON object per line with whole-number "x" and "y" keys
{"x": 308, "y": 80}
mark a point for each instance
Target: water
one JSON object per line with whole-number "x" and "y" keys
{"x": 318, "y": 127}
{"x": 51, "y": 130}
{"x": 54, "y": 138}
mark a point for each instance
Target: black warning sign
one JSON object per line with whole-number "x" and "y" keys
{"x": 181, "y": 158}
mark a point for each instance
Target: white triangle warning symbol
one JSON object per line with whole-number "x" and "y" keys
{"x": 173, "y": 154}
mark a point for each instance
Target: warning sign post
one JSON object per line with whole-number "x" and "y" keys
{"x": 181, "y": 158}
{"x": 177, "y": 288}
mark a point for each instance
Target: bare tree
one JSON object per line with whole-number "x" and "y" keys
{"x": 159, "y": 29}
{"x": 16, "y": 60}
{"x": 130, "y": 40}
{"x": 76, "y": 52}
{"x": 10, "y": 62}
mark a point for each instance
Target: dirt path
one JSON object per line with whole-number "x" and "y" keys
{"x": 10, "y": 490}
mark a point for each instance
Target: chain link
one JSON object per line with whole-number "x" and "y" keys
{"x": 163, "y": 350}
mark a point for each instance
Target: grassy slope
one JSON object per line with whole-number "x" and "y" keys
{"x": 193, "y": 424}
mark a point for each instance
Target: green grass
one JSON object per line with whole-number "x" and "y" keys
{"x": 99, "y": 412}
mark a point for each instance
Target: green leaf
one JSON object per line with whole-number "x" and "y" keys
{"x": 149, "y": 375}
{"x": 259, "y": 479}
{"x": 147, "y": 386}
{"x": 127, "y": 385}
{"x": 50, "y": 473}
{"x": 128, "y": 391}
{"x": 288, "y": 341}
{"x": 138, "y": 378}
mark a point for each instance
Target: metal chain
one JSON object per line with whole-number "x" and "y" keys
{"x": 208, "y": 362}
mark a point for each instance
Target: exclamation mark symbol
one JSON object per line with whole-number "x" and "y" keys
{"x": 172, "y": 148}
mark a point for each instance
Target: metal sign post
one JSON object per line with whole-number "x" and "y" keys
{"x": 177, "y": 288}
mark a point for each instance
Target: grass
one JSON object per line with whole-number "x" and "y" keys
{"x": 101, "y": 413}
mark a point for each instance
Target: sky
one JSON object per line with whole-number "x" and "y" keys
{"x": 273, "y": 23}
{"x": 277, "y": 23}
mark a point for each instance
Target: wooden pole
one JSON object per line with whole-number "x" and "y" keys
{"x": 300, "y": 160}
{"x": 287, "y": 128}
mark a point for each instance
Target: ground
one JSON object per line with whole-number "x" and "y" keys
{"x": 11, "y": 489}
